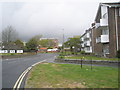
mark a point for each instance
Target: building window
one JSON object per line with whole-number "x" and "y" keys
{"x": 105, "y": 32}
{"x": 98, "y": 39}
{"x": 106, "y": 49}
{"x": 88, "y": 48}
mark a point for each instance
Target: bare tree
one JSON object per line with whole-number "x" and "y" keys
{"x": 9, "y": 35}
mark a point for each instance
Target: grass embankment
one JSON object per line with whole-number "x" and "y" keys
{"x": 69, "y": 55}
{"x": 85, "y": 57}
{"x": 50, "y": 75}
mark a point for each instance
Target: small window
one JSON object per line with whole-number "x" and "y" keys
{"x": 88, "y": 48}
{"x": 105, "y": 32}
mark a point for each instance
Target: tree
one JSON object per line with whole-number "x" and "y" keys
{"x": 9, "y": 35}
{"x": 46, "y": 43}
{"x": 73, "y": 43}
{"x": 19, "y": 44}
{"x": 32, "y": 44}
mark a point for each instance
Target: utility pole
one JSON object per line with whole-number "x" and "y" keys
{"x": 63, "y": 40}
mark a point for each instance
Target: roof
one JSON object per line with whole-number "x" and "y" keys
{"x": 110, "y": 5}
{"x": 86, "y": 31}
{"x": 42, "y": 48}
{"x": 113, "y": 4}
{"x": 48, "y": 39}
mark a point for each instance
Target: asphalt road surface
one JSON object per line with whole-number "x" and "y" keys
{"x": 12, "y": 68}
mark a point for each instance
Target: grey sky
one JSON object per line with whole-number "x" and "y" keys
{"x": 49, "y": 17}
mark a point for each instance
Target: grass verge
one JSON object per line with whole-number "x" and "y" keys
{"x": 50, "y": 75}
{"x": 9, "y": 54}
{"x": 90, "y": 57}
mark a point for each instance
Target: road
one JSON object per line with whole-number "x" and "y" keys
{"x": 12, "y": 68}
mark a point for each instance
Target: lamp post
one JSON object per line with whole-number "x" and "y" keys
{"x": 63, "y": 41}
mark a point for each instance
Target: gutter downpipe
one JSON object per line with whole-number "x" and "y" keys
{"x": 116, "y": 28}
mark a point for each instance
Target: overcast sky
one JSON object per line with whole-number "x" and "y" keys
{"x": 49, "y": 17}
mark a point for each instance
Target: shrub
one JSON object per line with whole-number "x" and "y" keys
{"x": 50, "y": 48}
{"x": 118, "y": 53}
{"x": 60, "y": 57}
{"x": 82, "y": 52}
{"x": 12, "y": 54}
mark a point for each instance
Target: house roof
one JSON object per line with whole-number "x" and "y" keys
{"x": 42, "y": 48}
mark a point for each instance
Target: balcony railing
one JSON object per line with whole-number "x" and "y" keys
{"x": 103, "y": 22}
{"x": 97, "y": 25}
{"x": 88, "y": 43}
{"x": 104, "y": 38}
{"x": 82, "y": 45}
{"x": 88, "y": 50}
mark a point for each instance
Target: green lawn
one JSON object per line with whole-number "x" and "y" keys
{"x": 91, "y": 57}
{"x": 9, "y": 54}
{"x": 49, "y": 75}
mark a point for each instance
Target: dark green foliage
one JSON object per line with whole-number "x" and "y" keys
{"x": 118, "y": 53}
{"x": 73, "y": 43}
{"x": 19, "y": 44}
{"x": 82, "y": 52}
{"x": 50, "y": 48}
{"x": 46, "y": 43}
{"x": 32, "y": 44}
{"x": 60, "y": 57}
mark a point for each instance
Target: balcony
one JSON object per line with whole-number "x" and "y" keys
{"x": 104, "y": 38}
{"x": 88, "y": 43}
{"x": 82, "y": 45}
{"x": 88, "y": 49}
{"x": 82, "y": 39}
{"x": 103, "y": 22}
{"x": 87, "y": 35}
{"x": 97, "y": 25}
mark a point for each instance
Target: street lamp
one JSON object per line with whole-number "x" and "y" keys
{"x": 63, "y": 40}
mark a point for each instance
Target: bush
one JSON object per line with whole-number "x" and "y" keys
{"x": 118, "y": 53}
{"x": 60, "y": 57}
{"x": 12, "y": 54}
{"x": 82, "y": 52}
{"x": 50, "y": 48}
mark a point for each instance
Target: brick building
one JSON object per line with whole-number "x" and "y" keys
{"x": 105, "y": 32}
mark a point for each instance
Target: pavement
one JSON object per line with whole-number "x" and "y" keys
{"x": 13, "y": 68}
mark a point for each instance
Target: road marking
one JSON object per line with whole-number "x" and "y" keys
{"x": 21, "y": 77}
{"x": 38, "y": 63}
{"x": 18, "y": 80}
